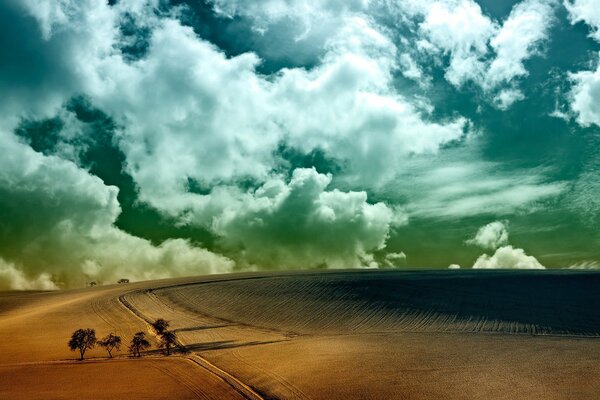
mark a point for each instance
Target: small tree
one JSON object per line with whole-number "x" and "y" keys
{"x": 138, "y": 344}
{"x": 110, "y": 343}
{"x": 82, "y": 339}
{"x": 168, "y": 340}
{"x": 160, "y": 326}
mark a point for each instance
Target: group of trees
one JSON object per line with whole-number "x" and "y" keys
{"x": 85, "y": 339}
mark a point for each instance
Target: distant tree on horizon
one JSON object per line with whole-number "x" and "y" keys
{"x": 138, "y": 344}
{"x": 82, "y": 339}
{"x": 110, "y": 343}
{"x": 168, "y": 340}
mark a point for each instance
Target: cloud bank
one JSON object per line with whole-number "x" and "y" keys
{"x": 290, "y": 134}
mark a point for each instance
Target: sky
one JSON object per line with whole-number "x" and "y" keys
{"x": 146, "y": 139}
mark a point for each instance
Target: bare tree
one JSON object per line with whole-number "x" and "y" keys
{"x": 82, "y": 339}
{"x": 138, "y": 344}
{"x": 160, "y": 326}
{"x": 168, "y": 340}
{"x": 110, "y": 343}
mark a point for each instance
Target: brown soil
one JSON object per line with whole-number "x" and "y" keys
{"x": 371, "y": 335}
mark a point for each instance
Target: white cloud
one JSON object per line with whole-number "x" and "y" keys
{"x": 481, "y": 50}
{"x": 490, "y": 236}
{"x": 587, "y": 264}
{"x": 453, "y": 266}
{"x": 505, "y": 98}
{"x": 519, "y": 38}
{"x": 461, "y": 30}
{"x": 585, "y": 11}
{"x": 394, "y": 259}
{"x": 58, "y": 226}
{"x": 585, "y": 93}
{"x": 300, "y": 224}
{"x": 451, "y": 187}
{"x": 507, "y": 257}
{"x": 191, "y": 112}
{"x": 585, "y": 96}
{"x": 11, "y": 278}
{"x": 410, "y": 69}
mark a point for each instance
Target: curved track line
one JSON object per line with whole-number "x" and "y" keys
{"x": 244, "y": 390}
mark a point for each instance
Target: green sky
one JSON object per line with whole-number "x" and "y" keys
{"x": 149, "y": 139}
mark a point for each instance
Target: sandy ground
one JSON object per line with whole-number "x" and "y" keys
{"x": 37, "y": 364}
{"x": 371, "y": 335}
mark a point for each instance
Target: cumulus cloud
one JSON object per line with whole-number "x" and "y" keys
{"x": 586, "y": 11}
{"x": 585, "y": 95}
{"x": 519, "y": 38}
{"x": 213, "y": 119}
{"x": 12, "y": 278}
{"x": 189, "y": 113}
{"x": 461, "y": 30}
{"x": 301, "y": 224}
{"x": 201, "y": 130}
{"x": 394, "y": 259}
{"x": 507, "y": 257}
{"x": 494, "y": 236}
{"x": 490, "y": 236}
{"x": 505, "y": 98}
{"x": 480, "y": 49}
{"x": 586, "y": 84}
{"x": 58, "y": 230}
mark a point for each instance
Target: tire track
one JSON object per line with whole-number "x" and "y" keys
{"x": 244, "y": 390}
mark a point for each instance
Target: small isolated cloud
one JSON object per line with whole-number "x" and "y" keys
{"x": 394, "y": 259}
{"x": 585, "y": 96}
{"x": 453, "y": 266}
{"x": 507, "y": 257}
{"x": 507, "y": 97}
{"x": 490, "y": 236}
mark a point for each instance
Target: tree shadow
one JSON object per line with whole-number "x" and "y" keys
{"x": 201, "y": 328}
{"x": 225, "y": 344}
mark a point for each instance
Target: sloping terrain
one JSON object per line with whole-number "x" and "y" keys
{"x": 435, "y": 301}
{"x": 327, "y": 335}
{"x": 35, "y": 362}
{"x": 406, "y": 335}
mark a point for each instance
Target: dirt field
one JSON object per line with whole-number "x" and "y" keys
{"x": 367, "y": 334}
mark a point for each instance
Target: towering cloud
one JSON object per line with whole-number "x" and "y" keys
{"x": 301, "y": 224}
{"x": 494, "y": 235}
